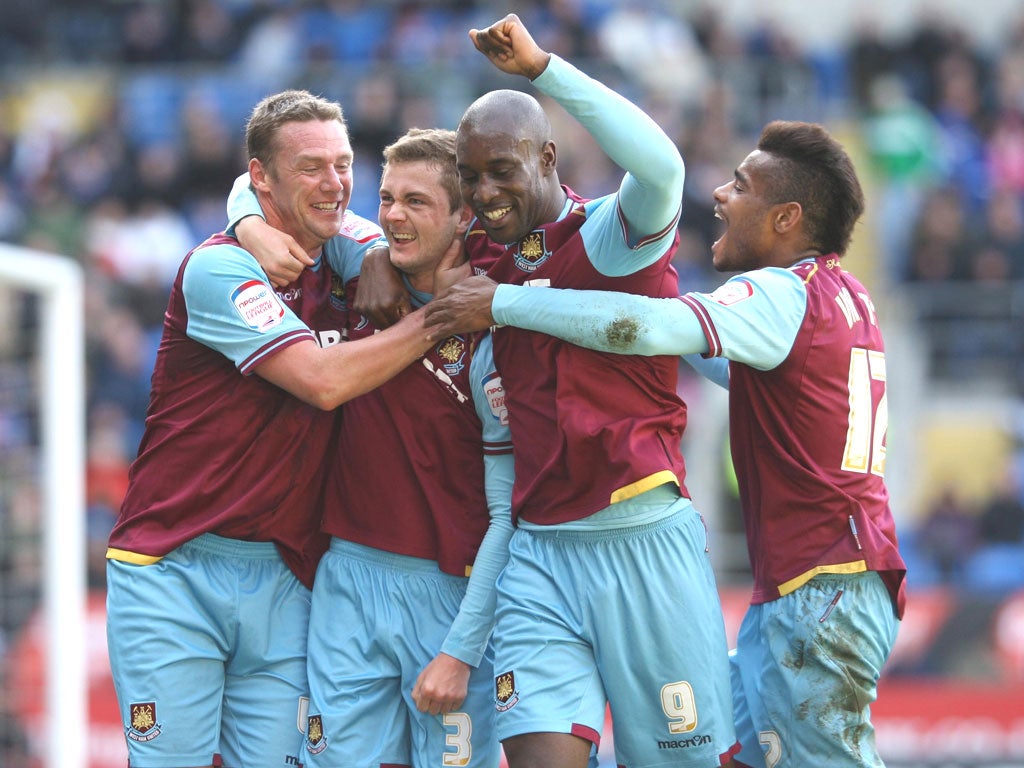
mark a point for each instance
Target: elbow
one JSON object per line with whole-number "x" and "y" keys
{"x": 325, "y": 403}
{"x": 675, "y": 173}
{"x": 333, "y": 397}
{"x": 324, "y": 398}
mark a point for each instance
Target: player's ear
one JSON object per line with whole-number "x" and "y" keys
{"x": 257, "y": 174}
{"x": 464, "y": 220}
{"x": 787, "y": 216}
{"x": 548, "y": 158}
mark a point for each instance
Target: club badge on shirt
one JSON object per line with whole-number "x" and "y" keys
{"x": 532, "y": 251}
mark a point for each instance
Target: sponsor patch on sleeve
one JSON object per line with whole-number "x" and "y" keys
{"x": 258, "y": 305}
{"x": 733, "y": 292}
{"x": 359, "y": 229}
{"x": 495, "y": 393}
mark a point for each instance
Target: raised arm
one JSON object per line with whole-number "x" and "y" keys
{"x": 651, "y": 192}
{"x": 280, "y": 255}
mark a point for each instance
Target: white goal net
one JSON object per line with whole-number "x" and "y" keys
{"x": 43, "y": 633}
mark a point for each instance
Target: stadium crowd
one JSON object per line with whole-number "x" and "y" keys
{"x": 121, "y": 132}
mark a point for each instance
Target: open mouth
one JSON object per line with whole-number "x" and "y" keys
{"x": 332, "y": 207}
{"x": 496, "y": 214}
{"x": 723, "y": 226}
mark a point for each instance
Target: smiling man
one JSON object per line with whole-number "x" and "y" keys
{"x": 211, "y": 561}
{"x": 796, "y": 340}
{"x": 399, "y": 664}
{"x": 608, "y": 596}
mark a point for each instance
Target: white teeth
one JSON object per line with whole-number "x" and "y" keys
{"x": 719, "y": 216}
{"x": 495, "y": 215}
{"x": 326, "y": 206}
{"x": 398, "y": 236}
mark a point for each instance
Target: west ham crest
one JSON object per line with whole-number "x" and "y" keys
{"x": 142, "y": 722}
{"x": 505, "y": 694}
{"x": 316, "y": 742}
{"x": 532, "y": 251}
{"x": 338, "y": 299}
{"x": 452, "y": 352}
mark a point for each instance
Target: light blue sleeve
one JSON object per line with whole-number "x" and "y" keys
{"x": 345, "y": 251}
{"x": 603, "y": 320}
{"x": 627, "y": 231}
{"x": 753, "y": 318}
{"x": 714, "y": 369}
{"x": 471, "y": 629}
{"x": 242, "y": 202}
{"x": 231, "y": 307}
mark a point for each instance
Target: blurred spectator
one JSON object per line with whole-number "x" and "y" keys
{"x": 1003, "y": 234}
{"x": 375, "y": 100}
{"x": 903, "y": 145}
{"x": 274, "y": 46}
{"x": 12, "y": 214}
{"x": 212, "y": 157}
{"x": 106, "y": 481}
{"x": 1001, "y": 520}
{"x": 948, "y": 535}
{"x": 871, "y": 58}
{"x": 210, "y": 32}
{"x": 672, "y": 68}
{"x": 21, "y": 554}
{"x": 961, "y": 124}
{"x": 1006, "y": 137}
{"x": 786, "y": 83}
{"x": 940, "y": 240}
{"x": 121, "y": 356}
{"x": 151, "y": 34}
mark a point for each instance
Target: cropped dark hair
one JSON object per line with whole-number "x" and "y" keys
{"x": 815, "y": 171}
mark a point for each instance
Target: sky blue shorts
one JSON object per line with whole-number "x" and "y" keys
{"x": 805, "y": 672}
{"x": 208, "y": 653}
{"x": 628, "y": 616}
{"x": 377, "y": 620}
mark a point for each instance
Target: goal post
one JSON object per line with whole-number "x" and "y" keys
{"x": 58, "y": 283}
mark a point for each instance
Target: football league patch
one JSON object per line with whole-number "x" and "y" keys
{"x": 733, "y": 292}
{"x": 359, "y": 229}
{"x": 494, "y": 391}
{"x": 258, "y": 305}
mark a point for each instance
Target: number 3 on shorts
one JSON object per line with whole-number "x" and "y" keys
{"x": 460, "y": 739}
